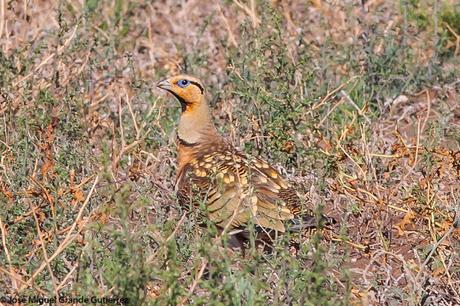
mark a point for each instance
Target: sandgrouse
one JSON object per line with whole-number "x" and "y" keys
{"x": 236, "y": 188}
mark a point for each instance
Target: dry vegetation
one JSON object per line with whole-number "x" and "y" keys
{"x": 358, "y": 104}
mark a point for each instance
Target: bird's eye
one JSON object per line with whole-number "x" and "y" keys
{"x": 183, "y": 83}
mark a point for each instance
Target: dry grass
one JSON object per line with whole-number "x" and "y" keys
{"x": 358, "y": 105}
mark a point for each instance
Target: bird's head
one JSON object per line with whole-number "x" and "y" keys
{"x": 188, "y": 90}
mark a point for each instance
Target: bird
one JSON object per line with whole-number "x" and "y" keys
{"x": 237, "y": 189}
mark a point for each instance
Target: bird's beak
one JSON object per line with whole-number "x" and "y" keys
{"x": 164, "y": 85}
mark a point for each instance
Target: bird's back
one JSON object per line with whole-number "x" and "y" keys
{"x": 236, "y": 188}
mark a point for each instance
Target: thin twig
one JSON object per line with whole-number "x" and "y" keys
{"x": 350, "y": 100}
{"x": 433, "y": 250}
{"x": 8, "y": 257}
{"x": 195, "y": 281}
{"x": 231, "y": 37}
{"x": 136, "y": 126}
{"x": 2, "y": 16}
{"x": 63, "y": 282}
{"x": 123, "y": 150}
{"x": 329, "y": 112}
{"x": 416, "y": 151}
{"x": 42, "y": 245}
{"x": 330, "y": 94}
{"x": 428, "y": 100}
{"x": 251, "y": 12}
{"x": 47, "y": 194}
{"x": 457, "y": 38}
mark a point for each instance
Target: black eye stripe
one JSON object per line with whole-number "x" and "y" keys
{"x": 198, "y": 85}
